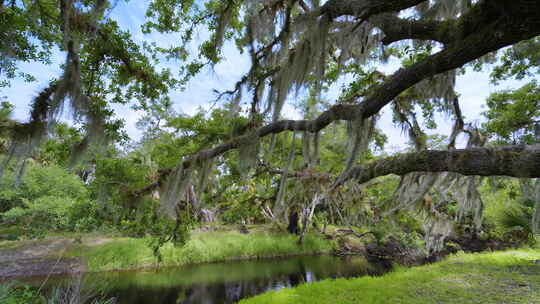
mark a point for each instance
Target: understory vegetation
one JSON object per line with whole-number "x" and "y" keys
{"x": 201, "y": 248}
{"x": 17, "y": 293}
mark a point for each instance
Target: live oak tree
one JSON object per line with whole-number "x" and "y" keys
{"x": 299, "y": 45}
{"x": 296, "y": 47}
{"x": 103, "y": 66}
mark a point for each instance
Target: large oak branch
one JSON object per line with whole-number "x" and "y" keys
{"x": 447, "y": 31}
{"x": 520, "y": 22}
{"x": 515, "y": 161}
{"x": 492, "y": 37}
{"x": 365, "y": 8}
{"x": 396, "y": 29}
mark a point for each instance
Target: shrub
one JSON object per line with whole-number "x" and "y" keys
{"x": 40, "y": 182}
{"x": 46, "y": 212}
{"x": 507, "y": 214}
{"x": 48, "y": 199}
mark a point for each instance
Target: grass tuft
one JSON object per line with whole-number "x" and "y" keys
{"x": 201, "y": 248}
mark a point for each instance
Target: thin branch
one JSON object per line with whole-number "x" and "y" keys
{"x": 459, "y": 124}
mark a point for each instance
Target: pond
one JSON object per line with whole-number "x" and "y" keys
{"x": 220, "y": 282}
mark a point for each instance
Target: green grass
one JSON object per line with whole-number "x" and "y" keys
{"x": 501, "y": 277}
{"x": 125, "y": 253}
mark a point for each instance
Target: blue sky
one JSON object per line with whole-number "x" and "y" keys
{"x": 473, "y": 87}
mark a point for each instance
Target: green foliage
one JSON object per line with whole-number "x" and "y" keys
{"x": 221, "y": 18}
{"x": 401, "y": 227}
{"x": 517, "y": 218}
{"x": 28, "y": 32}
{"x": 513, "y": 115}
{"x": 115, "y": 68}
{"x": 115, "y": 177}
{"x": 40, "y": 182}
{"x": 520, "y": 61}
{"x": 507, "y": 214}
{"x": 129, "y": 172}
{"x": 164, "y": 231}
{"x": 45, "y": 213}
{"x": 58, "y": 148}
{"x": 6, "y": 109}
{"x": 48, "y": 199}
{"x": 243, "y": 202}
{"x": 50, "y": 213}
{"x": 119, "y": 70}
{"x": 15, "y": 293}
{"x": 189, "y": 134}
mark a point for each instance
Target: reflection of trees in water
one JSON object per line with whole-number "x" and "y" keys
{"x": 231, "y": 292}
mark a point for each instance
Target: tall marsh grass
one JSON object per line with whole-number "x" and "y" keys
{"x": 202, "y": 248}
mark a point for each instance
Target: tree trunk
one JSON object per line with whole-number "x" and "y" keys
{"x": 293, "y": 222}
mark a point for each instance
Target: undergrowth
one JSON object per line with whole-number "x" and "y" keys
{"x": 201, "y": 248}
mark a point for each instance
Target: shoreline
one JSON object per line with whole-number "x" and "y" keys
{"x": 62, "y": 256}
{"x": 511, "y": 276}
{"x": 59, "y": 256}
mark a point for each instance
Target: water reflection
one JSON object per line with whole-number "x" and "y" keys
{"x": 224, "y": 282}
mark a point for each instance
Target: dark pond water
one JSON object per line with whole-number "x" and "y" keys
{"x": 221, "y": 282}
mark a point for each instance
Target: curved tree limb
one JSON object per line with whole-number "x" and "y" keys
{"x": 503, "y": 30}
{"x": 514, "y": 161}
{"x": 365, "y": 8}
{"x": 396, "y": 29}
{"x": 446, "y": 32}
{"x": 493, "y": 37}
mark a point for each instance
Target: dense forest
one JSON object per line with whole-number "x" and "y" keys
{"x": 296, "y": 157}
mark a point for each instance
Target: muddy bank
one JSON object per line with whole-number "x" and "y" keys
{"x": 32, "y": 267}
{"x": 393, "y": 251}
{"x": 41, "y": 257}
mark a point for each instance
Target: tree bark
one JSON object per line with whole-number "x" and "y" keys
{"x": 514, "y": 161}
{"x": 365, "y": 8}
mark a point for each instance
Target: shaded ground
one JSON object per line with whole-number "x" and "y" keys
{"x": 41, "y": 257}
